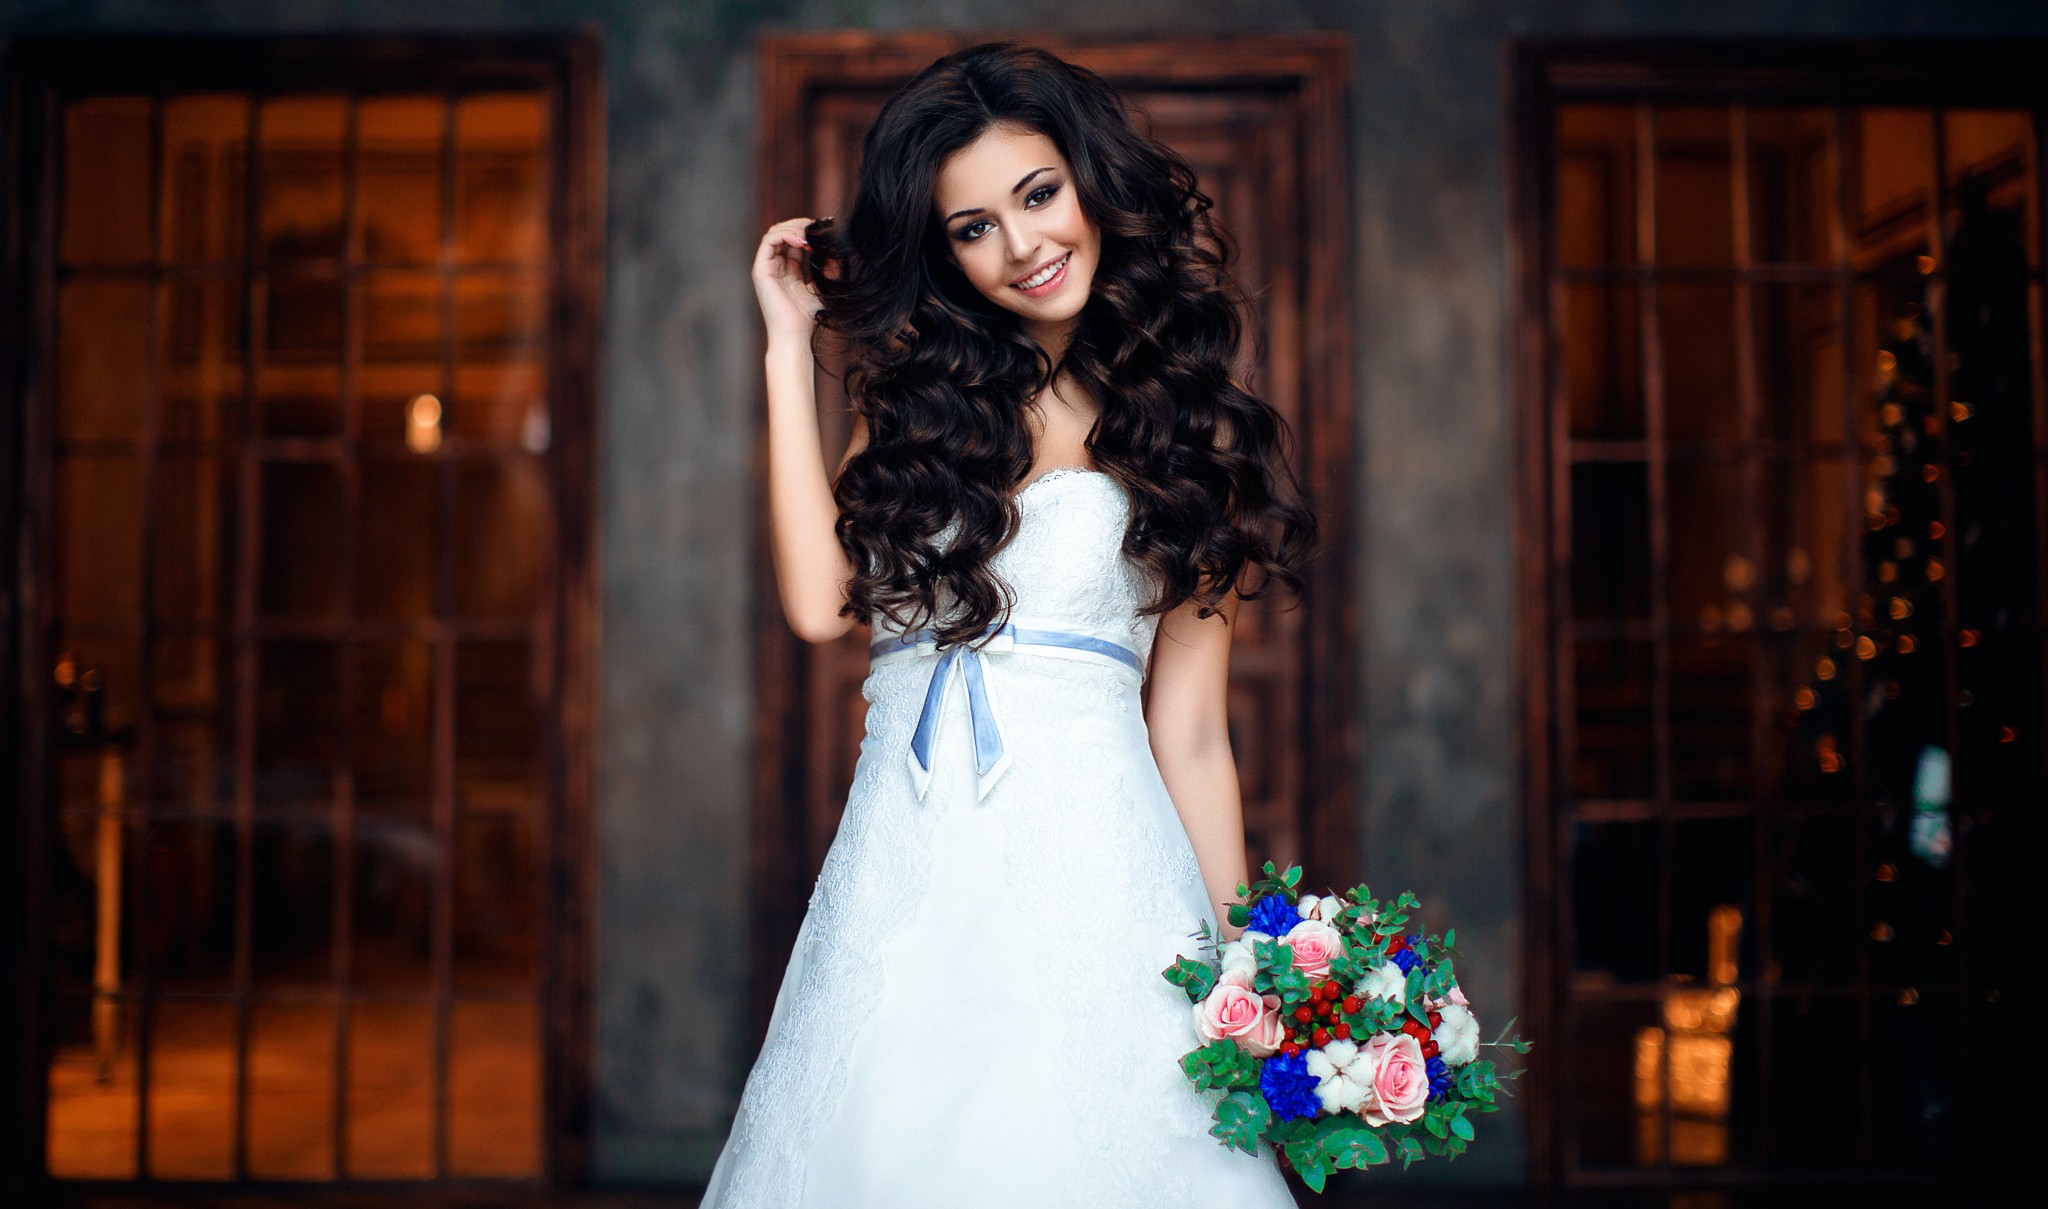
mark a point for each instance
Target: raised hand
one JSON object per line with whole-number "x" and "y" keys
{"x": 789, "y": 304}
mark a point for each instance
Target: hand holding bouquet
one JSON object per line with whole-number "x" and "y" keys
{"x": 1336, "y": 1037}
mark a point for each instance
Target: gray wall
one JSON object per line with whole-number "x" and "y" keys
{"x": 1432, "y": 516}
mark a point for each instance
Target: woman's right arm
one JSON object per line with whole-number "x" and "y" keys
{"x": 811, "y": 568}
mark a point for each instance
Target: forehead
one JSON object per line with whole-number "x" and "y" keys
{"x": 982, "y": 172}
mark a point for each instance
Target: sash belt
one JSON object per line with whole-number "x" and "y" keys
{"x": 991, "y": 755}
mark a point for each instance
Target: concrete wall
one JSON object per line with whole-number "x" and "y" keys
{"x": 1432, "y": 518}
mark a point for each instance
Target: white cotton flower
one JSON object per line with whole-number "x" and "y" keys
{"x": 1387, "y": 982}
{"x": 1457, "y": 1035}
{"x": 1343, "y": 1072}
{"x": 1325, "y": 908}
{"x": 1237, "y": 958}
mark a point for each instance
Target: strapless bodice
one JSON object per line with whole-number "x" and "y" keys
{"x": 1066, "y": 567}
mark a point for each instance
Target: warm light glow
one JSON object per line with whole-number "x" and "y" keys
{"x": 423, "y": 424}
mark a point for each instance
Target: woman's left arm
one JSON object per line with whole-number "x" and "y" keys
{"x": 1188, "y": 719}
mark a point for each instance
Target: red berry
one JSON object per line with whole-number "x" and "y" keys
{"x": 1352, "y": 1003}
{"x": 1343, "y": 1031}
{"x": 1321, "y": 1036}
{"x": 1304, "y": 1013}
{"x": 1436, "y": 1020}
{"x": 1289, "y": 1047}
{"x": 1332, "y": 991}
{"x": 1429, "y": 1049}
{"x": 1414, "y": 1029}
{"x": 1396, "y": 945}
{"x": 1323, "y": 1009}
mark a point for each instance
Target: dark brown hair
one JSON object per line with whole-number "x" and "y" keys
{"x": 942, "y": 375}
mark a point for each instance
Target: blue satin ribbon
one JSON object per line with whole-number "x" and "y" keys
{"x": 991, "y": 755}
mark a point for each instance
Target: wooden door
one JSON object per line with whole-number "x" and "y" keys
{"x": 301, "y": 420}
{"x": 1262, "y": 121}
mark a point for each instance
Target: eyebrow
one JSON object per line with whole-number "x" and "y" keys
{"x": 1013, "y": 192}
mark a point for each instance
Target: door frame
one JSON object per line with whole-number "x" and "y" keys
{"x": 40, "y": 72}
{"x": 792, "y": 70}
{"x": 1544, "y": 73}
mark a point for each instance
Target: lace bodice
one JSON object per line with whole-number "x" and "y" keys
{"x": 1066, "y": 564}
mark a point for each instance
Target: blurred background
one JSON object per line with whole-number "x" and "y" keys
{"x": 413, "y": 792}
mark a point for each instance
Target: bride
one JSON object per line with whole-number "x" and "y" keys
{"x": 1054, "y": 498}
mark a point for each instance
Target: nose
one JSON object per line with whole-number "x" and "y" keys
{"x": 1022, "y": 244}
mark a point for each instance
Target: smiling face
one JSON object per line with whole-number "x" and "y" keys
{"x": 1015, "y": 228}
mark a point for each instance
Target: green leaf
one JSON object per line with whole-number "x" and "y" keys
{"x": 1241, "y": 1117}
{"x": 1356, "y": 1147}
{"x": 1450, "y": 938}
{"x": 1414, "y": 997}
{"x": 1197, "y": 978}
{"x": 1240, "y": 915}
{"x": 1293, "y": 877}
{"x": 1305, "y": 1155}
{"x": 1411, "y": 1152}
{"x": 1434, "y": 1123}
{"x": 1220, "y": 1065}
{"x": 1462, "y": 1127}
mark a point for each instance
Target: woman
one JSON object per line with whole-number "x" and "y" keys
{"x": 1055, "y": 493}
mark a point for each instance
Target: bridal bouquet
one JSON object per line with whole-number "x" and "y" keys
{"x": 1336, "y": 1036}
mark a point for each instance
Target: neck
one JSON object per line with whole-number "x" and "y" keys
{"x": 1052, "y": 337}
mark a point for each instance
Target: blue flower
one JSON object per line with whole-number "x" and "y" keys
{"x": 1289, "y": 1089}
{"x": 1407, "y": 959}
{"x": 1439, "y": 1078}
{"x": 1273, "y": 915}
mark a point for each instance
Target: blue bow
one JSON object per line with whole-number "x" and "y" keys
{"x": 991, "y": 757}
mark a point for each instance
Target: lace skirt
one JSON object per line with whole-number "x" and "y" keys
{"x": 974, "y": 1013}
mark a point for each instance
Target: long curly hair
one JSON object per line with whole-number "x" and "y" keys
{"x": 942, "y": 375}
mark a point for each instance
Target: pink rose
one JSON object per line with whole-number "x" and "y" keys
{"x": 1315, "y": 944}
{"x": 1400, "y": 1079}
{"x": 1233, "y": 1010}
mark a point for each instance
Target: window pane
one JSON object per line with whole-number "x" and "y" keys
{"x": 1791, "y": 185}
{"x": 194, "y": 517}
{"x": 1701, "y": 396}
{"x": 1596, "y": 185}
{"x": 290, "y": 1123}
{"x": 1695, "y": 186}
{"x": 402, "y": 318}
{"x": 298, "y": 724}
{"x": 1614, "y": 877}
{"x": 189, "y": 923}
{"x": 1610, "y": 571}
{"x": 494, "y": 1088}
{"x": 1611, "y": 685}
{"x": 299, "y": 189}
{"x": 398, "y": 192}
{"x": 497, "y": 901}
{"x": 292, "y": 922}
{"x": 500, "y": 182}
{"x": 92, "y": 1103}
{"x": 300, "y": 574}
{"x": 100, "y": 538}
{"x": 1600, "y": 341}
{"x": 102, "y": 359}
{"x": 497, "y": 733}
{"x": 500, "y": 530}
{"x": 391, "y": 1090}
{"x": 205, "y": 157}
{"x": 204, "y": 351}
{"x": 192, "y": 1091}
{"x": 106, "y": 170}
{"x": 395, "y": 860}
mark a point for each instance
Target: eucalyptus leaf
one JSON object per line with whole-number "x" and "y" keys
{"x": 1241, "y": 1117}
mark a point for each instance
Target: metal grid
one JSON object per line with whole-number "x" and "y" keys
{"x": 1588, "y": 1002}
{"x": 251, "y": 452}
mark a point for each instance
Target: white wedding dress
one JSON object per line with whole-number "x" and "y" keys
{"x": 973, "y": 1015}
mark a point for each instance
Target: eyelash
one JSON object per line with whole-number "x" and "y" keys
{"x": 962, "y": 234}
